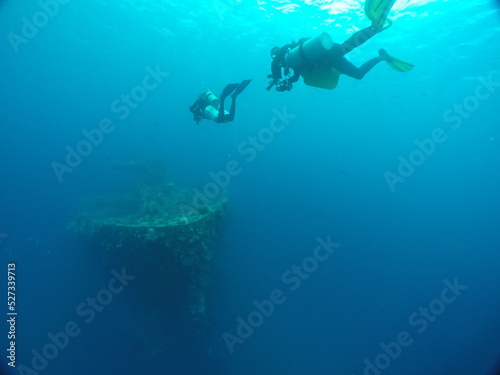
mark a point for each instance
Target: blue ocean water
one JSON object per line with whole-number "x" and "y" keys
{"x": 362, "y": 232}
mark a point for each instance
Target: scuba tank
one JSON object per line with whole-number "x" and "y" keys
{"x": 211, "y": 98}
{"x": 309, "y": 50}
{"x": 210, "y": 112}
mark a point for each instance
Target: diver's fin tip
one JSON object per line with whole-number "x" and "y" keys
{"x": 228, "y": 90}
{"x": 395, "y": 63}
{"x": 242, "y": 86}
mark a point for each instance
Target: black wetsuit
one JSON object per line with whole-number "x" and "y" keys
{"x": 223, "y": 117}
{"x": 331, "y": 59}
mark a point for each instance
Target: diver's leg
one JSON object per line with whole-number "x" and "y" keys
{"x": 220, "y": 117}
{"x": 344, "y": 66}
{"x": 242, "y": 86}
{"x": 227, "y": 91}
{"x": 369, "y": 65}
{"x": 357, "y": 39}
{"x": 232, "y": 111}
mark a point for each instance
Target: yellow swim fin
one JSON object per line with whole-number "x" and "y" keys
{"x": 377, "y": 11}
{"x": 395, "y": 63}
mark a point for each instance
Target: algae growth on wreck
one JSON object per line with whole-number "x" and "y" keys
{"x": 149, "y": 231}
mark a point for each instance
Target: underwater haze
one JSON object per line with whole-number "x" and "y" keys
{"x": 362, "y": 228}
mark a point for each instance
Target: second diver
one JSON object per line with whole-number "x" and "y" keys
{"x": 211, "y": 107}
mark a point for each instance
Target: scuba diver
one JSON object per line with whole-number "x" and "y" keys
{"x": 209, "y": 106}
{"x": 320, "y": 61}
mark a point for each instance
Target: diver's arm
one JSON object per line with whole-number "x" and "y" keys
{"x": 295, "y": 77}
{"x": 195, "y": 105}
{"x": 276, "y": 70}
{"x": 286, "y": 84}
{"x": 279, "y": 61}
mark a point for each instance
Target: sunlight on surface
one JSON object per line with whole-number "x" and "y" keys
{"x": 339, "y": 13}
{"x": 333, "y": 7}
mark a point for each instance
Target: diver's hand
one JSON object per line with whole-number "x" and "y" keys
{"x": 284, "y": 85}
{"x": 271, "y": 84}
